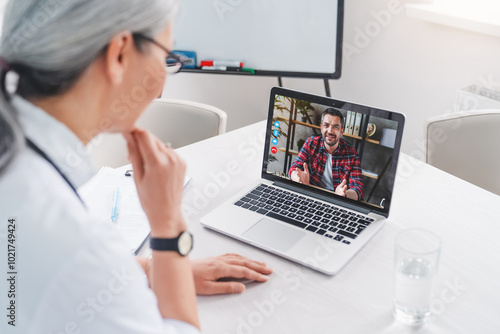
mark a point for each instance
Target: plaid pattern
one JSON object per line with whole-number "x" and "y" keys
{"x": 345, "y": 159}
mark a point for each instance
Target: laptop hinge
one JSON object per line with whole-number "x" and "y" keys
{"x": 322, "y": 197}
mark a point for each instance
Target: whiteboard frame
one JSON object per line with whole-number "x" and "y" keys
{"x": 291, "y": 74}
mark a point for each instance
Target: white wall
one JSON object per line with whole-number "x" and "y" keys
{"x": 409, "y": 66}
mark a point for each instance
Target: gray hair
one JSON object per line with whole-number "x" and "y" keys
{"x": 50, "y": 43}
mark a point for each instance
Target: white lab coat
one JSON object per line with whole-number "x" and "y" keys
{"x": 73, "y": 274}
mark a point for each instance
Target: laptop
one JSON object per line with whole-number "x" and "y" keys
{"x": 314, "y": 219}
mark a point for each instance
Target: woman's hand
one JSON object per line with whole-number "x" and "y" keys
{"x": 159, "y": 178}
{"x": 208, "y": 271}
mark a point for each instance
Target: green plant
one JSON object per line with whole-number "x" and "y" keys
{"x": 284, "y": 103}
{"x": 303, "y": 108}
{"x": 300, "y": 142}
{"x": 271, "y": 158}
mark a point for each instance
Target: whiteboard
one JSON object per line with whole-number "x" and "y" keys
{"x": 298, "y": 38}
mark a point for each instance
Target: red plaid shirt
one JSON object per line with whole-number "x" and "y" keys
{"x": 345, "y": 164}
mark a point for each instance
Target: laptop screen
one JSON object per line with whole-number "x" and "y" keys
{"x": 343, "y": 150}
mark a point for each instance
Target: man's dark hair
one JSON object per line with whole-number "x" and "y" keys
{"x": 334, "y": 112}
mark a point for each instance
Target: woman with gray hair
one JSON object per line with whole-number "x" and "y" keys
{"x": 76, "y": 63}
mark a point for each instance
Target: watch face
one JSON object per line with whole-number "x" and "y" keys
{"x": 185, "y": 243}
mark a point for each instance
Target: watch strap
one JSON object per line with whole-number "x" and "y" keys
{"x": 178, "y": 244}
{"x": 164, "y": 244}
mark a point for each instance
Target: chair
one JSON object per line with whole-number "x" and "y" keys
{"x": 175, "y": 122}
{"x": 465, "y": 144}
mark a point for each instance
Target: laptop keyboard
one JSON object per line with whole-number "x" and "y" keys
{"x": 315, "y": 216}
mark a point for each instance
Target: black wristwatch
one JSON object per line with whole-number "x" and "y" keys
{"x": 182, "y": 244}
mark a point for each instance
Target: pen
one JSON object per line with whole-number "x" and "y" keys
{"x": 114, "y": 209}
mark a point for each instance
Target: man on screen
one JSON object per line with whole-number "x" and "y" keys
{"x": 328, "y": 161}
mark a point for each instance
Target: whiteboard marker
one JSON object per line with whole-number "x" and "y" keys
{"x": 249, "y": 70}
{"x": 232, "y": 63}
{"x": 220, "y": 68}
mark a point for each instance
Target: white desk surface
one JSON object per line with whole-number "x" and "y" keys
{"x": 359, "y": 298}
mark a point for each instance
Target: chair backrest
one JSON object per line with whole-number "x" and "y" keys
{"x": 176, "y": 122}
{"x": 181, "y": 123}
{"x": 465, "y": 144}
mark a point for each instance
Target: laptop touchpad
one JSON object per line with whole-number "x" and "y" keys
{"x": 272, "y": 234}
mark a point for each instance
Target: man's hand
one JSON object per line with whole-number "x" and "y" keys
{"x": 301, "y": 176}
{"x": 342, "y": 188}
{"x": 208, "y": 271}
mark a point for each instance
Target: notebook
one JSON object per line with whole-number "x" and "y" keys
{"x": 323, "y": 193}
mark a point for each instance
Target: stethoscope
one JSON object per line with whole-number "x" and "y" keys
{"x": 43, "y": 155}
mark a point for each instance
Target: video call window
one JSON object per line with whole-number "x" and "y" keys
{"x": 363, "y": 155}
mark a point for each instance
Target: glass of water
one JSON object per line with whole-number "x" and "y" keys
{"x": 416, "y": 263}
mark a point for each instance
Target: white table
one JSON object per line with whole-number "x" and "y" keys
{"x": 359, "y": 298}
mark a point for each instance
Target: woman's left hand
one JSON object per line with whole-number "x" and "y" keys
{"x": 208, "y": 271}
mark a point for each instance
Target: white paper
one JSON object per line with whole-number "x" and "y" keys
{"x": 98, "y": 195}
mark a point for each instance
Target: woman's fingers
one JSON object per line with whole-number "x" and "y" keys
{"x": 135, "y": 156}
{"x": 159, "y": 177}
{"x": 239, "y": 260}
{"x": 147, "y": 145}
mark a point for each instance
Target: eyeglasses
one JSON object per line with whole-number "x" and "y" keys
{"x": 174, "y": 62}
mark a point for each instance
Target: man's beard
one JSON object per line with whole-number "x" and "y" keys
{"x": 333, "y": 143}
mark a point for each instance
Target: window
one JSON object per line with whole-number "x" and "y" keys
{"x": 474, "y": 15}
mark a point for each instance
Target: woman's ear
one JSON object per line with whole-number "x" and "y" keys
{"x": 117, "y": 57}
